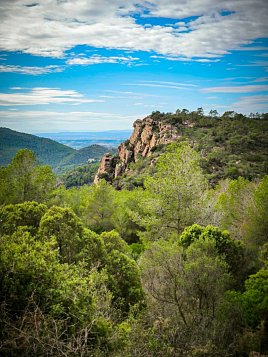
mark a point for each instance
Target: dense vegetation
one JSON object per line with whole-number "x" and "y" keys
{"x": 174, "y": 268}
{"x": 80, "y": 175}
{"x": 230, "y": 145}
{"x": 60, "y": 157}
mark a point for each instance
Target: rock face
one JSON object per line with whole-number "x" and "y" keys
{"x": 147, "y": 134}
{"x": 106, "y": 169}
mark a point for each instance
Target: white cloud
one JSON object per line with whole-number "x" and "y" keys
{"x": 29, "y": 70}
{"x": 162, "y": 84}
{"x": 171, "y": 83}
{"x": 97, "y": 59}
{"x": 236, "y": 89}
{"x": 254, "y": 103}
{"x": 40, "y": 96}
{"x": 54, "y": 121}
{"x": 51, "y": 27}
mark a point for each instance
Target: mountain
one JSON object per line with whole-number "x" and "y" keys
{"x": 77, "y": 157}
{"x": 48, "y": 151}
{"x": 230, "y": 145}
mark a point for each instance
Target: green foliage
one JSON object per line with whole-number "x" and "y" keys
{"x": 66, "y": 227}
{"x": 24, "y": 181}
{"x": 185, "y": 292}
{"x": 93, "y": 251}
{"x": 47, "y": 151}
{"x": 113, "y": 241}
{"x": 79, "y": 176}
{"x": 124, "y": 280}
{"x": 255, "y": 298}
{"x": 228, "y": 249}
{"x": 234, "y": 204}
{"x": 256, "y": 227}
{"x": 27, "y": 214}
{"x": 100, "y": 207}
{"x": 175, "y": 193}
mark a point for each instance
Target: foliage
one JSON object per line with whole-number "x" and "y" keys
{"x": 47, "y": 151}
{"x": 76, "y": 280}
{"x": 124, "y": 281}
{"x": 184, "y": 295}
{"x": 27, "y": 214}
{"x": 228, "y": 249}
{"x": 66, "y": 227}
{"x": 23, "y": 180}
{"x": 79, "y": 176}
{"x": 175, "y": 193}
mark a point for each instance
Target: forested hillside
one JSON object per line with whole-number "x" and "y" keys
{"x": 177, "y": 267}
{"x": 49, "y": 152}
{"x": 230, "y": 145}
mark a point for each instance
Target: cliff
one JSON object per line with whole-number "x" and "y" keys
{"x": 147, "y": 135}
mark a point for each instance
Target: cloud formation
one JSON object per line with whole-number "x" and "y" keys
{"x": 237, "y": 89}
{"x": 29, "y": 70}
{"x": 43, "y": 96}
{"x": 38, "y": 121}
{"x": 50, "y": 27}
{"x": 97, "y": 59}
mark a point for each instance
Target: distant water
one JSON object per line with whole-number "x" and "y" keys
{"x": 79, "y": 144}
{"x": 82, "y": 139}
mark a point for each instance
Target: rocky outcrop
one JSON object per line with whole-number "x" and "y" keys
{"x": 147, "y": 135}
{"x": 106, "y": 169}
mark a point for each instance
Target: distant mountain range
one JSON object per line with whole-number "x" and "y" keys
{"x": 78, "y": 140}
{"x": 48, "y": 151}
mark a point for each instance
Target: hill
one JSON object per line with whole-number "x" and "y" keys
{"x": 47, "y": 151}
{"x": 230, "y": 145}
{"x": 58, "y": 156}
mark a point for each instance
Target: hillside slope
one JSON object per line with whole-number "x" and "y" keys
{"x": 48, "y": 151}
{"x": 230, "y": 145}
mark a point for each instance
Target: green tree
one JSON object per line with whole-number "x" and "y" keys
{"x": 254, "y": 303}
{"x": 26, "y": 214}
{"x": 67, "y": 228}
{"x": 100, "y": 207}
{"x": 230, "y": 250}
{"x": 185, "y": 291}
{"x": 124, "y": 280}
{"x": 23, "y": 180}
{"x": 256, "y": 227}
{"x": 234, "y": 204}
{"x": 113, "y": 241}
{"x": 175, "y": 194}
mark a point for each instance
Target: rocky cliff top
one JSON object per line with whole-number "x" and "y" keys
{"x": 147, "y": 135}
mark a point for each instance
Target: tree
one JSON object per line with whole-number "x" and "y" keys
{"x": 256, "y": 226}
{"x": 100, "y": 207}
{"x": 27, "y": 214}
{"x": 67, "y": 228}
{"x": 23, "y": 180}
{"x": 234, "y": 204}
{"x": 213, "y": 113}
{"x": 174, "y": 195}
{"x": 185, "y": 291}
{"x": 254, "y": 303}
{"x": 124, "y": 280}
{"x": 230, "y": 250}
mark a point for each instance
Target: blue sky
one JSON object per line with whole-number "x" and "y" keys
{"x": 77, "y": 65}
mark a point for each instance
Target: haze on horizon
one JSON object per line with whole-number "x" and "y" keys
{"x": 100, "y": 65}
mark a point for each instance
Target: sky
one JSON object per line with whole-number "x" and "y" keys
{"x": 95, "y": 65}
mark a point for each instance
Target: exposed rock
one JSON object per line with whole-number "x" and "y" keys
{"x": 147, "y": 134}
{"x": 106, "y": 169}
